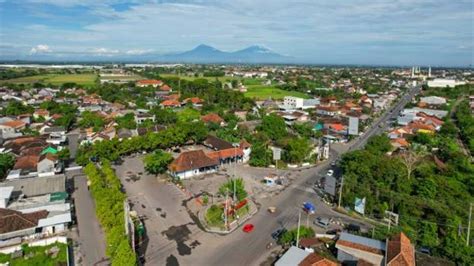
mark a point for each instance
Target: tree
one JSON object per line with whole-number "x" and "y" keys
{"x": 164, "y": 116}
{"x": 260, "y": 156}
{"x": 90, "y": 119}
{"x": 379, "y": 144}
{"x": 410, "y": 159}
{"x": 188, "y": 114}
{"x": 157, "y": 162}
{"x": 297, "y": 150}
{"x": 274, "y": 126}
{"x": 290, "y": 236}
{"x": 429, "y": 234}
{"x": 126, "y": 121}
{"x": 239, "y": 185}
{"x": 64, "y": 154}
{"x": 6, "y": 163}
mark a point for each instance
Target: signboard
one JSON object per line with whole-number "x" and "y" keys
{"x": 359, "y": 205}
{"x": 330, "y": 185}
{"x": 276, "y": 153}
{"x": 391, "y": 217}
{"x": 353, "y": 126}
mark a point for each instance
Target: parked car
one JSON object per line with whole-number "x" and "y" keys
{"x": 353, "y": 228}
{"x": 322, "y": 222}
{"x": 278, "y": 233}
{"x": 330, "y": 172}
{"x": 425, "y": 250}
{"x": 309, "y": 208}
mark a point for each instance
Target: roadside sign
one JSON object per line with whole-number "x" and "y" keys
{"x": 359, "y": 205}
{"x": 276, "y": 153}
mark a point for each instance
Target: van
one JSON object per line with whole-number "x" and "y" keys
{"x": 322, "y": 222}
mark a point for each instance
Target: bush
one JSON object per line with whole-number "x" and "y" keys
{"x": 290, "y": 236}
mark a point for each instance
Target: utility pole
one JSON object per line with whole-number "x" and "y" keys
{"x": 298, "y": 230}
{"x": 469, "y": 225}
{"x": 340, "y": 193}
{"x": 225, "y": 210}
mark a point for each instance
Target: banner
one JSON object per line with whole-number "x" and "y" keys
{"x": 359, "y": 205}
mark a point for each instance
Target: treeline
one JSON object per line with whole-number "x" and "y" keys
{"x": 109, "y": 201}
{"x": 465, "y": 122}
{"x": 173, "y": 136}
{"x": 430, "y": 186}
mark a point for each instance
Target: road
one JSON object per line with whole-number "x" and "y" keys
{"x": 90, "y": 237}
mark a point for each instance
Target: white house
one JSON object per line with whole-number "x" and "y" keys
{"x": 441, "y": 83}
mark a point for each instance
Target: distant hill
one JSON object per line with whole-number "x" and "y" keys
{"x": 208, "y": 54}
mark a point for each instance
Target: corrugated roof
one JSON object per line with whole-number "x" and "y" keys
{"x": 35, "y": 186}
{"x": 292, "y": 256}
{"x": 368, "y": 242}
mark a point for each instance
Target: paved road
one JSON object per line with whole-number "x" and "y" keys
{"x": 91, "y": 238}
{"x": 380, "y": 125}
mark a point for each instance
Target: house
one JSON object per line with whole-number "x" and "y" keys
{"x": 400, "y": 251}
{"x": 399, "y": 143}
{"x": 192, "y": 163}
{"x": 195, "y": 101}
{"x": 338, "y": 128}
{"x": 124, "y": 133}
{"x": 328, "y": 110}
{"x": 48, "y": 165}
{"x": 26, "y": 165}
{"x": 227, "y": 156}
{"x": 216, "y": 143}
{"x": 8, "y": 132}
{"x": 149, "y": 82}
{"x": 352, "y": 248}
{"x": 142, "y": 117}
{"x": 298, "y": 257}
{"x": 246, "y": 149}
{"x": 170, "y": 103}
{"x": 16, "y": 125}
{"x": 212, "y": 118}
{"x": 41, "y": 113}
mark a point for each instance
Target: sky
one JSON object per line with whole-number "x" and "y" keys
{"x": 381, "y": 32}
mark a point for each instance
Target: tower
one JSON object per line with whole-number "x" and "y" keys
{"x": 429, "y": 71}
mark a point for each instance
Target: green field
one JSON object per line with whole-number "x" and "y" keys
{"x": 245, "y": 81}
{"x": 56, "y": 79}
{"x": 262, "y": 92}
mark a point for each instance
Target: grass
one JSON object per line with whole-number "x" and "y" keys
{"x": 57, "y": 79}
{"x": 215, "y": 213}
{"x": 245, "y": 81}
{"x": 262, "y": 92}
{"x": 39, "y": 256}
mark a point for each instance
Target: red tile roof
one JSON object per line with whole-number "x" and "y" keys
{"x": 314, "y": 259}
{"x": 212, "y": 117}
{"x": 359, "y": 247}
{"x": 165, "y": 88}
{"x": 400, "y": 252}
{"x": 192, "y": 160}
{"x": 170, "y": 103}
{"x": 226, "y": 153}
{"x": 16, "y": 124}
{"x": 28, "y": 162}
{"x": 193, "y": 100}
{"x": 337, "y": 127}
{"x": 11, "y": 220}
{"x": 146, "y": 82}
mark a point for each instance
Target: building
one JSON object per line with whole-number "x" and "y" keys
{"x": 442, "y": 83}
{"x": 400, "y": 251}
{"x": 149, "y": 82}
{"x": 193, "y": 163}
{"x": 352, "y": 249}
{"x": 291, "y": 102}
{"x": 298, "y": 257}
{"x": 142, "y": 117}
{"x": 212, "y": 118}
{"x": 432, "y": 100}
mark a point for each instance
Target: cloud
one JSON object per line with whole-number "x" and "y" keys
{"x": 104, "y": 51}
{"x": 40, "y": 49}
{"x": 138, "y": 51}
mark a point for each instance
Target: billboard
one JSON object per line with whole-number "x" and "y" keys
{"x": 353, "y": 126}
{"x": 359, "y": 205}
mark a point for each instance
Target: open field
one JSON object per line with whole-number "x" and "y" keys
{"x": 56, "y": 79}
{"x": 245, "y": 81}
{"x": 261, "y": 92}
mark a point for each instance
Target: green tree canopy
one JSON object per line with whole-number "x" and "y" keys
{"x": 157, "y": 162}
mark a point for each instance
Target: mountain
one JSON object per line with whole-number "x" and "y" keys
{"x": 208, "y": 54}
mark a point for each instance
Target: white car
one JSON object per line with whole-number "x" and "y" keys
{"x": 330, "y": 172}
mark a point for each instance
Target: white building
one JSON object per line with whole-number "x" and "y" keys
{"x": 291, "y": 102}
{"x": 442, "y": 83}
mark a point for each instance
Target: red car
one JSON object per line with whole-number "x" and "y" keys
{"x": 248, "y": 228}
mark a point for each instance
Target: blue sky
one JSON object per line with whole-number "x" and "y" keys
{"x": 388, "y": 32}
